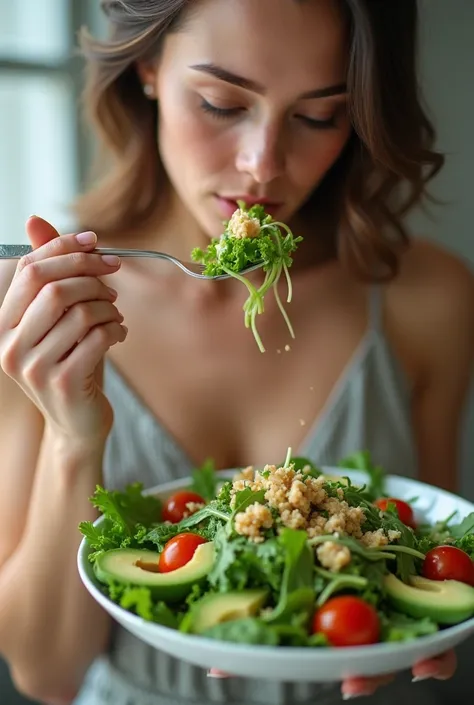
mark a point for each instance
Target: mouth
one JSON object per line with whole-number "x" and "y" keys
{"x": 228, "y": 204}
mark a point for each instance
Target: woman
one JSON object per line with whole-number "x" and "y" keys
{"x": 311, "y": 108}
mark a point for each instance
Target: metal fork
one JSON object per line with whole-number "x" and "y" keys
{"x": 191, "y": 268}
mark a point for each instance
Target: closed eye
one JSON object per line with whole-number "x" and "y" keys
{"x": 228, "y": 113}
{"x": 220, "y": 112}
{"x": 318, "y": 124}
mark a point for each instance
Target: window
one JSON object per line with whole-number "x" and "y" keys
{"x": 43, "y": 152}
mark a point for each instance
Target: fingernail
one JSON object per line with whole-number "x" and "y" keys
{"x": 87, "y": 238}
{"x": 121, "y": 317}
{"x": 111, "y": 260}
{"x": 125, "y": 329}
{"x": 426, "y": 677}
{"x": 350, "y": 696}
{"x": 112, "y": 291}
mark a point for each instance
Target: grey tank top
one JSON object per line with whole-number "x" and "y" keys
{"x": 369, "y": 408}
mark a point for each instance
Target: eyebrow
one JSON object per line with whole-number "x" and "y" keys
{"x": 249, "y": 85}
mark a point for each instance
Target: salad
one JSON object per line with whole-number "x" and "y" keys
{"x": 252, "y": 237}
{"x": 283, "y": 556}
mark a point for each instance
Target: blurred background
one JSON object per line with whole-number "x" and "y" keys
{"x": 45, "y": 151}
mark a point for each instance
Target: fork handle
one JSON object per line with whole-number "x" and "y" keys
{"x": 19, "y": 251}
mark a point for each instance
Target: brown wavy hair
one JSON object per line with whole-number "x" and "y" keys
{"x": 382, "y": 173}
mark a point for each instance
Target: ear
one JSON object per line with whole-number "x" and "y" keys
{"x": 148, "y": 75}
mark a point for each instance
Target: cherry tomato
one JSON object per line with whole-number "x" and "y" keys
{"x": 175, "y": 509}
{"x": 448, "y": 563}
{"x": 178, "y": 551}
{"x": 347, "y": 621}
{"x": 405, "y": 512}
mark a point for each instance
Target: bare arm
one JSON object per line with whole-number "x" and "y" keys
{"x": 54, "y": 422}
{"x": 447, "y": 350}
{"x": 50, "y": 628}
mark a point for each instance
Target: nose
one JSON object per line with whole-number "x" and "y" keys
{"x": 261, "y": 153}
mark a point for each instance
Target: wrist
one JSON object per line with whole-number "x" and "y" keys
{"x": 77, "y": 461}
{"x": 66, "y": 446}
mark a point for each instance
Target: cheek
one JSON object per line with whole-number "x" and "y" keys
{"x": 187, "y": 137}
{"x": 315, "y": 160}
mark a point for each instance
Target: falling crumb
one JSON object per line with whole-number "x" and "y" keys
{"x": 302, "y": 422}
{"x": 311, "y": 389}
{"x": 287, "y": 348}
{"x": 279, "y": 352}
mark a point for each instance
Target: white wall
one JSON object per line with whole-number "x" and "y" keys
{"x": 447, "y": 76}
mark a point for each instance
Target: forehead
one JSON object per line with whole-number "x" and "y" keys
{"x": 301, "y": 42}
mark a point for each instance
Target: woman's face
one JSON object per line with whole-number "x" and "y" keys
{"x": 252, "y": 104}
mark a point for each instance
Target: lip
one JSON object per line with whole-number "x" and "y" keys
{"x": 228, "y": 204}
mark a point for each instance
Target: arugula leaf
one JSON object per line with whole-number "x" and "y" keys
{"x": 206, "y": 522}
{"x": 245, "y": 498}
{"x": 204, "y": 480}
{"x": 466, "y": 527}
{"x": 401, "y": 627}
{"x": 362, "y": 461}
{"x": 243, "y": 564}
{"x": 296, "y": 593}
{"x": 306, "y": 465}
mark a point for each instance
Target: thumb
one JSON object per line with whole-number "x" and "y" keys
{"x": 39, "y": 231}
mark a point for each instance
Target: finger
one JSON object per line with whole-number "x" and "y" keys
{"x": 86, "y": 356}
{"x": 216, "y": 673}
{"x": 36, "y": 274}
{"x": 40, "y": 233}
{"x": 441, "y": 667}
{"x": 50, "y": 304}
{"x": 71, "y": 329}
{"x": 355, "y": 687}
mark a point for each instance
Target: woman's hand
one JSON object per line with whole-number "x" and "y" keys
{"x": 442, "y": 668}
{"x": 57, "y": 322}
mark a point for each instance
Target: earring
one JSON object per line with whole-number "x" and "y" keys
{"x": 148, "y": 90}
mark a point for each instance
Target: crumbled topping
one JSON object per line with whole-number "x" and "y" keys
{"x": 333, "y": 556}
{"x": 255, "y": 518}
{"x": 242, "y": 225}
{"x": 300, "y": 501}
{"x": 378, "y": 539}
{"x": 192, "y": 508}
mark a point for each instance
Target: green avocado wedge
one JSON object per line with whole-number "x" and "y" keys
{"x": 122, "y": 565}
{"x": 444, "y": 601}
{"x": 218, "y": 608}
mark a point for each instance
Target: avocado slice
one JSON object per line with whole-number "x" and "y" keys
{"x": 120, "y": 566}
{"x": 444, "y": 601}
{"x": 224, "y": 607}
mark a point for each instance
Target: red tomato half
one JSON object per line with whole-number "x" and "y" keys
{"x": 175, "y": 509}
{"x": 347, "y": 621}
{"x": 448, "y": 563}
{"x": 405, "y": 512}
{"x": 178, "y": 551}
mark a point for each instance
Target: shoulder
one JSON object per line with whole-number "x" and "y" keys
{"x": 431, "y": 306}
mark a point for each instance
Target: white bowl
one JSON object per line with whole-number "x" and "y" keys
{"x": 293, "y": 663}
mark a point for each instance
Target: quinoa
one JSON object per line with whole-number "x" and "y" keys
{"x": 242, "y": 225}
{"x": 297, "y": 500}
